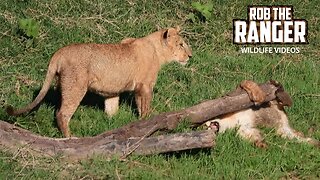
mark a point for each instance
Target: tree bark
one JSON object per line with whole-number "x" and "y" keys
{"x": 134, "y": 137}
{"x": 18, "y": 139}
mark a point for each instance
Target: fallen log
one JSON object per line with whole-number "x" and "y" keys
{"x": 17, "y": 139}
{"x": 134, "y": 137}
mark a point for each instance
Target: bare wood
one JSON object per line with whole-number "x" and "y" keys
{"x": 15, "y": 138}
{"x": 176, "y": 142}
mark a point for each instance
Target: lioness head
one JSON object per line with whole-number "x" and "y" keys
{"x": 178, "y": 48}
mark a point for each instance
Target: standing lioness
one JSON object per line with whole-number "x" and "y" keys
{"x": 109, "y": 69}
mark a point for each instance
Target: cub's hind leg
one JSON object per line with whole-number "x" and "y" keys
{"x": 111, "y": 105}
{"x": 284, "y": 130}
{"x": 253, "y": 135}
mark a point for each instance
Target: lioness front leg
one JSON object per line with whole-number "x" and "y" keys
{"x": 111, "y": 105}
{"x": 143, "y": 97}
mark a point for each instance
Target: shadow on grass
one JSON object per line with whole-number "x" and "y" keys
{"x": 53, "y": 98}
{"x": 186, "y": 153}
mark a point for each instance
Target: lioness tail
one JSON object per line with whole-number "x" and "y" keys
{"x": 52, "y": 70}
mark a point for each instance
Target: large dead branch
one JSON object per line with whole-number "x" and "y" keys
{"x": 18, "y": 139}
{"x": 134, "y": 137}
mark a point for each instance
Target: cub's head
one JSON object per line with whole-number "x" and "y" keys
{"x": 177, "y": 48}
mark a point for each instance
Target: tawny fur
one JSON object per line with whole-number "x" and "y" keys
{"x": 109, "y": 69}
{"x": 255, "y": 93}
{"x": 247, "y": 121}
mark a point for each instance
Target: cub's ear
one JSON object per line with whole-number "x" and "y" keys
{"x": 284, "y": 98}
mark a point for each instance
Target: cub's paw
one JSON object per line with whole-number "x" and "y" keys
{"x": 254, "y": 91}
{"x": 261, "y": 144}
{"x": 213, "y": 125}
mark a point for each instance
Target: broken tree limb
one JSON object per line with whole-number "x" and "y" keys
{"x": 133, "y": 138}
{"x": 18, "y": 139}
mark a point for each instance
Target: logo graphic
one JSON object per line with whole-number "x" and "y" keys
{"x": 270, "y": 25}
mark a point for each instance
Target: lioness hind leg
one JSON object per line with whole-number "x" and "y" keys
{"x": 72, "y": 92}
{"x": 111, "y": 105}
{"x": 69, "y": 104}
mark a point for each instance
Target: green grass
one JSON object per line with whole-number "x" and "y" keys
{"x": 216, "y": 68}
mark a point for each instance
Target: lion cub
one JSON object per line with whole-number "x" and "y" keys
{"x": 271, "y": 115}
{"x": 109, "y": 69}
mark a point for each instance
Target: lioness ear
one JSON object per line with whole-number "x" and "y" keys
{"x": 169, "y": 32}
{"x": 165, "y": 34}
{"x": 178, "y": 28}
